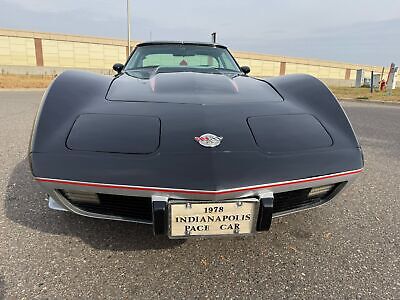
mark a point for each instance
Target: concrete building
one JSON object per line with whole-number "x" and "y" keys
{"x": 27, "y": 52}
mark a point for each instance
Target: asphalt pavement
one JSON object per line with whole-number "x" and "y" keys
{"x": 347, "y": 249}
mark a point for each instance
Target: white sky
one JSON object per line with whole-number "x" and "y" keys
{"x": 354, "y": 31}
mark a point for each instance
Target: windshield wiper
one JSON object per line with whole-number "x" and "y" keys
{"x": 226, "y": 70}
{"x": 141, "y": 68}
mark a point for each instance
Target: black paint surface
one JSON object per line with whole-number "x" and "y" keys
{"x": 115, "y": 134}
{"x": 179, "y": 161}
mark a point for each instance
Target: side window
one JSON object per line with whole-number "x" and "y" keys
{"x": 158, "y": 60}
{"x": 202, "y": 61}
{"x": 228, "y": 62}
{"x": 213, "y": 62}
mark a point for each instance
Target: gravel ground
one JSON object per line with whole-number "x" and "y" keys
{"x": 347, "y": 249}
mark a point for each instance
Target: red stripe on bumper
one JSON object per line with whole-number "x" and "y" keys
{"x": 198, "y": 192}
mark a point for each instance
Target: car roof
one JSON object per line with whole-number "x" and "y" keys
{"x": 179, "y": 43}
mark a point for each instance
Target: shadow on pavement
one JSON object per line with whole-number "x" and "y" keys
{"x": 25, "y": 204}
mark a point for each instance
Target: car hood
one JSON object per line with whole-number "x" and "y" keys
{"x": 191, "y": 87}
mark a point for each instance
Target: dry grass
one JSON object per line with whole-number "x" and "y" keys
{"x": 365, "y": 94}
{"x": 24, "y": 81}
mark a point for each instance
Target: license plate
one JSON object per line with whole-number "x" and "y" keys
{"x": 204, "y": 218}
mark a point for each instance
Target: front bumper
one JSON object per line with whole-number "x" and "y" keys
{"x": 276, "y": 199}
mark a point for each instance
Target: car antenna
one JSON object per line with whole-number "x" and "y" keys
{"x": 214, "y": 37}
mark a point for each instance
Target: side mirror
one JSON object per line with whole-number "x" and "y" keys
{"x": 245, "y": 69}
{"x": 118, "y": 67}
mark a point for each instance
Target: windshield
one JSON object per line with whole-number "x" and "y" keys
{"x": 182, "y": 56}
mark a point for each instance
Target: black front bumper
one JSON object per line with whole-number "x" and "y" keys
{"x": 155, "y": 210}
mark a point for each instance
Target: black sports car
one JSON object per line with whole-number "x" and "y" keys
{"x": 181, "y": 138}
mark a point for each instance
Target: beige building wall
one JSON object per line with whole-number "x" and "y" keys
{"x": 317, "y": 71}
{"x": 17, "y": 51}
{"x": 26, "y": 48}
{"x": 273, "y": 65}
{"x": 81, "y": 55}
{"x": 260, "y": 67}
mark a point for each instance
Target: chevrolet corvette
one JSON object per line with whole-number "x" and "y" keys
{"x": 182, "y": 138}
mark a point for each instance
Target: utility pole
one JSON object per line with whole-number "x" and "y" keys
{"x": 128, "y": 14}
{"x": 372, "y": 82}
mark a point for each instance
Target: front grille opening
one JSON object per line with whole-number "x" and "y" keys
{"x": 140, "y": 208}
{"x": 129, "y": 207}
{"x": 298, "y": 199}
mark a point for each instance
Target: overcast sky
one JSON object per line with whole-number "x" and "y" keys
{"x": 366, "y": 31}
